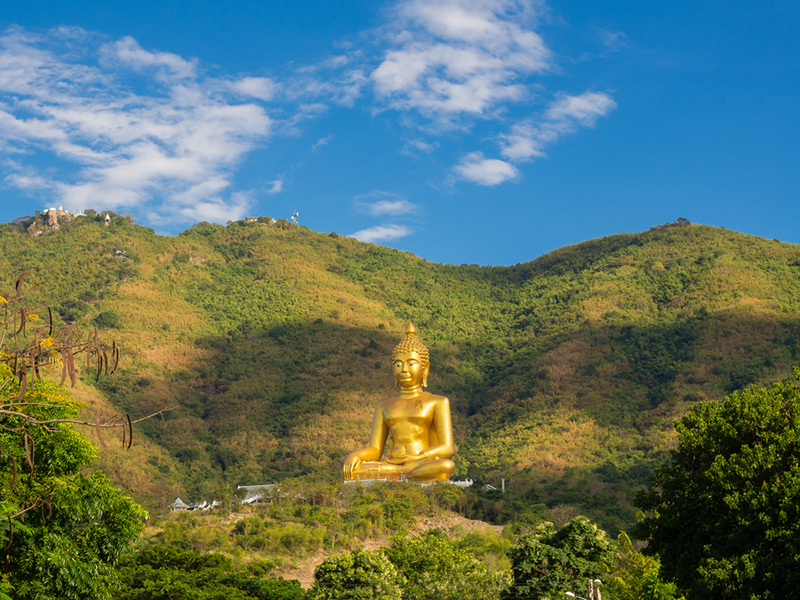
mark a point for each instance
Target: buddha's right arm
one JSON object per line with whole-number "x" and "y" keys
{"x": 380, "y": 430}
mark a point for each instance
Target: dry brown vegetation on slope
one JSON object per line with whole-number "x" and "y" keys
{"x": 565, "y": 373}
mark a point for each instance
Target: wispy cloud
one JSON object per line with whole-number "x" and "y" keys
{"x": 171, "y": 152}
{"x": 453, "y": 62}
{"x": 216, "y": 211}
{"x": 127, "y": 51}
{"x": 565, "y": 115}
{"x": 322, "y": 142}
{"x": 528, "y": 138}
{"x": 612, "y": 40}
{"x": 262, "y": 88}
{"x": 26, "y": 179}
{"x": 382, "y": 233}
{"x": 415, "y": 146}
{"x": 276, "y": 186}
{"x": 337, "y": 80}
{"x": 127, "y": 127}
{"x": 475, "y": 167}
{"x": 451, "y": 59}
{"x": 379, "y": 203}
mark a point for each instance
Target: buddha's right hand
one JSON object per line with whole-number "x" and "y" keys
{"x": 350, "y": 467}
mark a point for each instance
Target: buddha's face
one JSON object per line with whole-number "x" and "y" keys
{"x": 409, "y": 370}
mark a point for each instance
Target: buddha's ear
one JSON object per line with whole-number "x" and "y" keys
{"x": 425, "y": 375}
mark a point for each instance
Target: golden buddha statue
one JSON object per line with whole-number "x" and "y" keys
{"x": 419, "y": 423}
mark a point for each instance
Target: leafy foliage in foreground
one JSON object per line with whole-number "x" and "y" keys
{"x": 358, "y": 575}
{"x": 636, "y": 576}
{"x": 65, "y": 530}
{"x": 62, "y": 530}
{"x": 436, "y": 568}
{"x": 724, "y": 513}
{"x": 548, "y": 562}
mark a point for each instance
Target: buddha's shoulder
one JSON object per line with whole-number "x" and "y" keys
{"x": 435, "y": 399}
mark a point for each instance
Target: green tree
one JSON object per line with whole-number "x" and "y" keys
{"x": 546, "y": 563}
{"x": 170, "y": 573}
{"x": 635, "y": 576}
{"x": 361, "y": 575}
{"x": 724, "y": 513}
{"x": 435, "y": 568}
{"x": 63, "y": 530}
{"x": 107, "y": 319}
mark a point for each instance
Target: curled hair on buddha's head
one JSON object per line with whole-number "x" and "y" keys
{"x": 411, "y": 343}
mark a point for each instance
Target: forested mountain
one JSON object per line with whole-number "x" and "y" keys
{"x": 272, "y": 342}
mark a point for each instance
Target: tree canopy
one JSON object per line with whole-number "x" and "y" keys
{"x": 636, "y": 576}
{"x": 548, "y": 562}
{"x": 436, "y": 568}
{"x": 161, "y": 572}
{"x": 360, "y": 575}
{"x": 724, "y": 513}
{"x": 430, "y": 566}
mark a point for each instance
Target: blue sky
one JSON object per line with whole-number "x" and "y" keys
{"x": 464, "y": 131}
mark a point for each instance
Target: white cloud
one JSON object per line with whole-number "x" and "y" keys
{"x": 321, "y": 142}
{"x": 338, "y": 80}
{"x": 565, "y": 115}
{"x": 262, "y": 88}
{"x": 456, "y": 58}
{"x": 27, "y": 181}
{"x": 583, "y": 110}
{"x": 452, "y": 62}
{"x": 379, "y": 203}
{"x": 417, "y": 145}
{"x": 171, "y": 151}
{"x": 382, "y": 233}
{"x": 210, "y": 188}
{"x": 478, "y": 169}
{"x": 128, "y": 51}
{"x": 217, "y": 211}
{"x": 151, "y": 130}
{"x": 391, "y": 207}
{"x": 276, "y": 186}
{"x": 612, "y": 40}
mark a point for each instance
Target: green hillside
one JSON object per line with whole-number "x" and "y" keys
{"x": 273, "y": 341}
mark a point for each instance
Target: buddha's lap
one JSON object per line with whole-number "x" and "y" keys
{"x": 431, "y": 463}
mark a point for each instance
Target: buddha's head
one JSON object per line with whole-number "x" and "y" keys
{"x": 412, "y": 349}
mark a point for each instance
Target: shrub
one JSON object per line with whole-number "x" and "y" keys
{"x": 107, "y": 319}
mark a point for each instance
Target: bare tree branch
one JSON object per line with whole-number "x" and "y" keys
{"x": 108, "y": 423}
